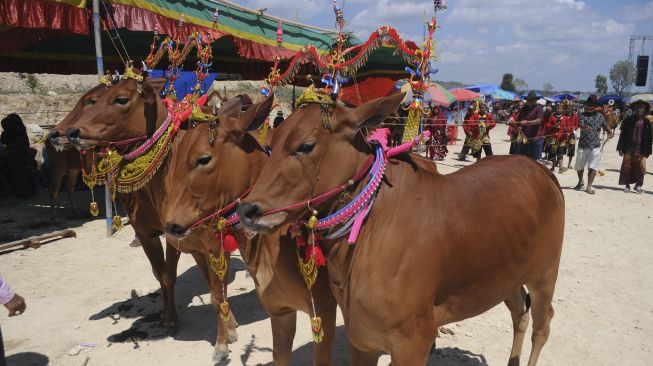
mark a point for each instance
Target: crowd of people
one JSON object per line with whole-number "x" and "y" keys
{"x": 550, "y": 133}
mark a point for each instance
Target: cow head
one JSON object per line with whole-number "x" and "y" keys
{"x": 315, "y": 150}
{"x": 57, "y": 135}
{"x": 204, "y": 176}
{"x": 124, "y": 111}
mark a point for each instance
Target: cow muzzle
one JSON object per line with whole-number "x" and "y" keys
{"x": 251, "y": 216}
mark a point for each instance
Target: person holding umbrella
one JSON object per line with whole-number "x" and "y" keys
{"x": 635, "y": 143}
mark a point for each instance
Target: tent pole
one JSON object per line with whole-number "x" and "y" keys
{"x": 100, "y": 71}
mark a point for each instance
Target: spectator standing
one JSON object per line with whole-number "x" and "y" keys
{"x": 591, "y": 122}
{"x": 635, "y": 146}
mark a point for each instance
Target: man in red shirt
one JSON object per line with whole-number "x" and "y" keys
{"x": 568, "y": 110}
{"x": 557, "y": 131}
{"x": 478, "y": 130}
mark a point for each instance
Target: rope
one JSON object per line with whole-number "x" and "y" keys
{"x": 115, "y": 29}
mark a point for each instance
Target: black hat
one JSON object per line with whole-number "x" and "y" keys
{"x": 592, "y": 101}
{"x": 637, "y": 103}
{"x": 279, "y": 113}
{"x": 532, "y": 95}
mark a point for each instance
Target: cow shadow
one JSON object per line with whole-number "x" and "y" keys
{"x": 197, "y": 317}
{"x": 21, "y": 219}
{"x": 27, "y": 359}
{"x": 446, "y": 356}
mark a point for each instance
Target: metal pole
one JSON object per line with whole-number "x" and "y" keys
{"x": 100, "y": 71}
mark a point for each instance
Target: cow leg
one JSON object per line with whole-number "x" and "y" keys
{"x": 169, "y": 280}
{"x": 412, "y": 348}
{"x": 202, "y": 264}
{"x": 361, "y": 358}
{"x": 323, "y": 351}
{"x": 225, "y": 334}
{"x": 154, "y": 251}
{"x": 283, "y": 334}
{"x": 519, "y": 313}
{"x": 71, "y": 180}
{"x": 201, "y": 261}
{"x": 542, "y": 312}
{"x": 55, "y": 183}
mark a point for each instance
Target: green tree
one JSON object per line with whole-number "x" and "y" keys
{"x": 622, "y": 75}
{"x": 507, "y": 84}
{"x": 601, "y": 83}
{"x": 521, "y": 86}
{"x": 547, "y": 88}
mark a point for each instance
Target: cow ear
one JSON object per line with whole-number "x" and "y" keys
{"x": 252, "y": 119}
{"x": 255, "y": 115}
{"x": 157, "y": 84}
{"x": 231, "y": 108}
{"x": 372, "y": 113}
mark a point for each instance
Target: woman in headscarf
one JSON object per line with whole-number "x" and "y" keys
{"x": 635, "y": 146}
{"x": 16, "y": 158}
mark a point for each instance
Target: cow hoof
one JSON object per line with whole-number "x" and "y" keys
{"x": 219, "y": 356}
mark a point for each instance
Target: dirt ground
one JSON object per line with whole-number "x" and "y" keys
{"x": 93, "y": 300}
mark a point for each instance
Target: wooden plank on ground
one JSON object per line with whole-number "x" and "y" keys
{"x": 36, "y": 241}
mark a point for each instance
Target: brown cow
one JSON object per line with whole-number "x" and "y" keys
{"x": 63, "y": 158}
{"x": 121, "y": 113}
{"x": 203, "y": 178}
{"x": 413, "y": 269}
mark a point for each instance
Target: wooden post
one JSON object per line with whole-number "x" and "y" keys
{"x": 97, "y": 31}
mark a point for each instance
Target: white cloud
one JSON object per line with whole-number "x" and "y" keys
{"x": 579, "y": 5}
{"x": 303, "y": 10}
{"x": 637, "y": 13}
{"x": 407, "y": 17}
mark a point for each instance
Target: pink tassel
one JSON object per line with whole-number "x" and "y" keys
{"x": 230, "y": 244}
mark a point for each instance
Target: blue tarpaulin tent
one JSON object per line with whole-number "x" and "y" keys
{"x": 185, "y": 81}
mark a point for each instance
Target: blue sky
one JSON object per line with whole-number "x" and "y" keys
{"x": 562, "y": 42}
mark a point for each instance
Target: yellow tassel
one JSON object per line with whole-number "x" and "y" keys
{"x": 94, "y": 209}
{"x": 224, "y": 311}
{"x": 219, "y": 265}
{"x": 316, "y": 328}
{"x": 412, "y": 124}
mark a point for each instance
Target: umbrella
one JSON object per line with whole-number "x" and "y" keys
{"x": 644, "y": 97}
{"x": 564, "y": 96}
{"x": 463, "y": 95}
{"x": 438, "y": 94}
{"x": 606, "y": 98}
{"x": 501, "y": 94}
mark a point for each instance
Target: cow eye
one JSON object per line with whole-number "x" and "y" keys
{"x": 306, "y": 148}
{"x": 121, "y": 100}
{"x": 204, "y": 160}
{"x": 90, "y": 101}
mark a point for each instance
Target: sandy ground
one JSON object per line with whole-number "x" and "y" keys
{"x": 93, "y": 300}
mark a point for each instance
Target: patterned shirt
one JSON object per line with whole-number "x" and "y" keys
{"x": 590, "y": 130}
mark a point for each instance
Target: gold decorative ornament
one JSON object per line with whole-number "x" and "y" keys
{"x": 94, "y": 209}
{"x": 308, "y": 270}
{"x": 219, "y": 264}
{"x": 317, "y": 330}
{"x": 224, "y": 311}
{"x": 117, "y": 222}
